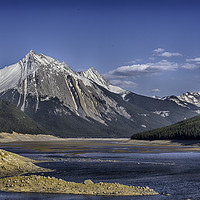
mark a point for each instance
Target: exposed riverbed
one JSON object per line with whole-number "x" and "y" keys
{"x": 168, "y": 168}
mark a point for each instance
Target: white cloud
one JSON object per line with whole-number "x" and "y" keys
{"x": 189, "y": 66}
{"x": 163, "y": 53}
{"x": 151, "y": 58}
{"x": 139, "y": 69}
{"x": 134, "y": 61}
{"x": 155, "y": 90}
{"x": 158, "y": 50}
{"x": 169, "y": 54}
{"x": 124, "y": 84}
{"x": 195, "y": 63}
{"x": 193, "y": 60}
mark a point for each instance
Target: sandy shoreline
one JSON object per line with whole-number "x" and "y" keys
{"x": 18, "y": 137}
{"x": 13, "y": 137}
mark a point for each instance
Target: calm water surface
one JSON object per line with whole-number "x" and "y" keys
{"x": 176, "y": 173}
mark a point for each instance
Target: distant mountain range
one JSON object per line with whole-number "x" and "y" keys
{"x": 85, "y": 104}
{"x": 188, "y": 100}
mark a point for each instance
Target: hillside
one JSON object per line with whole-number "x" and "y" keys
{"x": 13, "y": 119}
{"x": 184, "y": 130}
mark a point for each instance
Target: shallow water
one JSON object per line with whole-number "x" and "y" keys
{"x": 176, "y": 173}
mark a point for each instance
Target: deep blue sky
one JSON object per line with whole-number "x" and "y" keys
{"x": 146, "y": 46}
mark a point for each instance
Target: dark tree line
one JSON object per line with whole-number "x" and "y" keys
{"x": 184, "y": 130}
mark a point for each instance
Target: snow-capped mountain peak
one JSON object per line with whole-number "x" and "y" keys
{"x": 40, "y": 75}
{"x": 12, "y": 75}
{"x": 93, "y": 75}
{"x": 38, "y": 58}
{"x": 38, "y": 78}
{"x": 15, "y": 74}
{"x": 190, "y": 100}
{"x": 185, "y": 98}
{"x": 191, "y": 97}
{"x": 31, "y": 53}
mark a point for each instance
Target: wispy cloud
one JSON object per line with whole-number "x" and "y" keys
{"x": 193, "y": 60}
{"x": 169, "y": 54}
{"x": 139, "y": 69}
{"x": 124, "y": 84}
{"x": 189, "y": 66}
{"x": 155, "y": 90}
{"x": 134, "y": 61}
{"x": 161, "y": 52}
{"x": 193, "y": 63}
{"x": 158, "y": 50}
{"x": 151, "y": 58}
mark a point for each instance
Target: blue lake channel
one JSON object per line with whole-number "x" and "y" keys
{"x": 175, "y": 173}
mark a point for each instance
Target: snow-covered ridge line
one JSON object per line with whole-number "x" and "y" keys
{"x": 185, "y": 99}
{"x": 191, "y": 97}
{"x": 93, "y": 75}
{"x": 15, "y": 74}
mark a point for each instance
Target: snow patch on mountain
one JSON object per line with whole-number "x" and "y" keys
{"x": 191, "y": 97}
{"x": 143, "y": 114}
{"x": 162, "y": 113}
{"x": 177, "y": 101}
{"x": 9, "y": 77}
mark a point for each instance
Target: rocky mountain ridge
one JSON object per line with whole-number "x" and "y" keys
{"x": 186, "y": 99}
{"x": 44, "y": 78}
{"x": 74, "y": 104}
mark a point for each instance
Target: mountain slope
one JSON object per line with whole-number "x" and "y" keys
{"x": 76, "y": 104}
{"x": 13, "y": 119}
{"x": 46, "y": 78}
{"x": 187, "y": 129}
{"x": 165, "y": 108}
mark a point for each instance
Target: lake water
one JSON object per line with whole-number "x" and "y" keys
{"x": 162, "y": 168}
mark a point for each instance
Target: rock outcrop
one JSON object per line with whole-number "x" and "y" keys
{"x": 12, "y": 164}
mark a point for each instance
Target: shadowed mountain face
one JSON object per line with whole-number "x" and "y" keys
{"x": 13, "y": 119}
{"x": 72, "y": 104}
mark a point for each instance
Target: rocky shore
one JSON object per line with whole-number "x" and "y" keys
{"x": 12, "y": 164}
{"x": 48, "y": 184}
